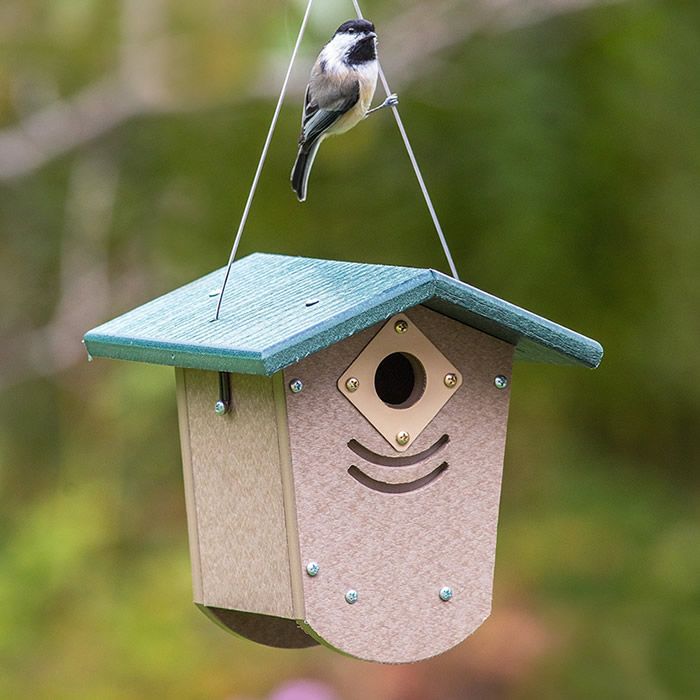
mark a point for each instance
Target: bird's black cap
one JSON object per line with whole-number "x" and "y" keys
{"x": 355, "y": 26}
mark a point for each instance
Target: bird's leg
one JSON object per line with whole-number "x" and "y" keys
{"x": 390, "y": 101}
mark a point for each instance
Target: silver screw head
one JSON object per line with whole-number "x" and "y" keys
{"x": 352, "y": 384}
{"x": 403, "y": 438}
{"x": 351, "y": 596}
{"x": 312, "y": 568}
{"x": 220, "y": 408}
{"x": 296, "y": 385}
{"x": 446, "y": 593}
{"x": 501, "y": 381}
{"x": 401, "y": 326}
{"x": 451, "y": 380}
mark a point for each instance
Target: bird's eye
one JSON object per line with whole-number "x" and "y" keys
{"x": 351, "y": 31}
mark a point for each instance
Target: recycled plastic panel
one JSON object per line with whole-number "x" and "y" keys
{"x": 307, "y": 305}
{"x": 399, "y": 545}
{"x": 237, "y": 497}
{"x": 263, "y": 629}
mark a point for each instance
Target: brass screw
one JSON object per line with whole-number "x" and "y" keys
{"x": 403, "y": 438}
{"x": 401, "y": 326}
{"x": 451, "y": 380}
{"x": 352, "y": 384}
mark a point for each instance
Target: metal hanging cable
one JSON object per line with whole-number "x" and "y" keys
{"x": 414, "y": 163}
{"x": 263, "y": 157}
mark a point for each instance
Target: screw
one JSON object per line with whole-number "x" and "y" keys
{"x": 351, "y": 596}
{"x": 353, "y": 384}
{"x": 312, "y": 568}
{"x": 403, "y": 438}
{"x": 296, "y": 385}
{"x": 446, "y": 593}
{"x": 501, "y": 382}
{"x": 220, "y": 408}
{"x": 401, "y": 326}
{"x": 451, "y": 380}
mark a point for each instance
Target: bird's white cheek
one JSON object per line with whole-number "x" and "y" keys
{"x": 334, "y": 52}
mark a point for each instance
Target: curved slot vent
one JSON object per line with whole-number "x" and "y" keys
{"x": 383, "y": 487}
{"x": 384, "y": 461}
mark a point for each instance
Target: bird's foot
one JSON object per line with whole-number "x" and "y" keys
{"x": 390, "y": 101}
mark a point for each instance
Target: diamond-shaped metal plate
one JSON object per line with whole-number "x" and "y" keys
{"x": 434, "y": 374}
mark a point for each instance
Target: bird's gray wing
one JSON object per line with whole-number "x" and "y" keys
{"x": 318, "y": 119}
{"x": 309, "y": 109}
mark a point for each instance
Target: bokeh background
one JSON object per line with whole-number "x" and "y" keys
{"x": 561, "y": 142}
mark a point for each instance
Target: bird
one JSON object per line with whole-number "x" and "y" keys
{"x": 339, "y": 93}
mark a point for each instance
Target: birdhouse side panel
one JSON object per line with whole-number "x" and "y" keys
{"x": 235, "y": 494}
{"x": 403, "y": 541}
{"x": 187, "y": 477}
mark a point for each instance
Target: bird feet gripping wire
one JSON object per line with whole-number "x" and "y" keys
{"x": 390, "y": 101}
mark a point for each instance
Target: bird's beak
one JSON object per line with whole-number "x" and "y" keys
{"x": 372, "y": 35}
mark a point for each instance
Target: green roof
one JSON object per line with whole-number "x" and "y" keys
{"x": 279, "y": 309}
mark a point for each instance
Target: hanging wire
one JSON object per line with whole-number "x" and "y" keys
{"x": 263, "y": 158}
{"x": 266, "y": 148}
{"x": 414, "y": 163}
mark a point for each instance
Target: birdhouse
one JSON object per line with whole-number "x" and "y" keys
{"x": 343, "y": 428}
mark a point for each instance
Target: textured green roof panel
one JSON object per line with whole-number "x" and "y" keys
{"x": 279, "y": 309}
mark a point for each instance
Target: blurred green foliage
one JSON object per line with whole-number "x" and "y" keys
{"x": 563, "y": 155}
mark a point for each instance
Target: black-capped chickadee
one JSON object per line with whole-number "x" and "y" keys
{"x": 339, "y": 93}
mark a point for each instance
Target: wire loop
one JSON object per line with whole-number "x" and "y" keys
{"x": 266, "y": 148}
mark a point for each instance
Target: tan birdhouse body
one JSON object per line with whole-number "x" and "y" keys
{"x": 273, "y": 486}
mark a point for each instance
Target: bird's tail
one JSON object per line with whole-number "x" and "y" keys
{"x": 302, "y": 168}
